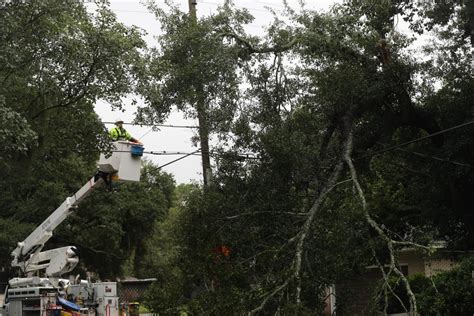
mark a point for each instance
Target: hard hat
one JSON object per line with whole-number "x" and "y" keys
{"x": 118, "y": 120}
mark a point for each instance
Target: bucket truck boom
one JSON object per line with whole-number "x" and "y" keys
{"x": 122, "y": 165}
{"x": 28, "y": 256}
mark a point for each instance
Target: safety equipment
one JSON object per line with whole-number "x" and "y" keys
{"x": 118, "y": 120}
{"x": 118, "y": 133}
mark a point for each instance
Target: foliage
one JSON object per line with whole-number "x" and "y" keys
{"x": 445, "y": 293}
{"x": 453, "y": 294}
{"x": 111, "y": 229}
{"x": 281, "y": 221}
{"x": 16, "y": 135}
{"x": 299, "y": 85}
{"x": 163, "y": 256}
{"x": 193, "y": 66}
{"x": 56, "y": 60}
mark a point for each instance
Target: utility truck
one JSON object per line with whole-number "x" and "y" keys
{"x": 40, "y": 289}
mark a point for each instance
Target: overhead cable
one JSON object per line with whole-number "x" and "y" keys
{"x": 157, "y": 153}
{"x": 435, "y": 158}
{"x": 168, "y": 153}
{"x": 157, "y": 125}
{"x": 173, "y": 153}
{"x": 178, "y": 159}
{"x": 414, "y": 140}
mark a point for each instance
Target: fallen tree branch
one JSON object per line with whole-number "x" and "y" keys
{"x": 301, "y": 236}
{"x": 272, "y": 294}
{"x": 386, "y": 285}
{"x": 328, "y": 187}
{"x": 264, "y": 212}
{"x": 412, "y": 244}
{"x": 388, "y": 241}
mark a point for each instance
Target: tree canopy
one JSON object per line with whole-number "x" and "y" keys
{"x": 56, "y": 60}
{"x": 338, "y": 143}
{"x": 325, "y": 100}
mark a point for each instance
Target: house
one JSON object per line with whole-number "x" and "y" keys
{"x": 358, "y": 292}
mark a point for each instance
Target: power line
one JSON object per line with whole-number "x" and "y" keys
{"x": 156, "y": 125}
{"x": 168, "y": 153}
{"x": 132, "y": 11}
{"x": 415, "y": 140}
{"x": 272, "y": 6}
{"x": 247, "y": 156}
{"x": 205, "y": 2}
{"x": 177, "y": 153}
{"x": 178, "y": 159}
{"x": 174, "y": 153}
{"x": 252, "y": 156}
{"x": 148, "y": 132}
{"x": 436, "y": 158}
{"x": 157, "y": 153}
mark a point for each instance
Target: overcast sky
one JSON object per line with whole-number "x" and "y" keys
{"x": 132, "y": 12}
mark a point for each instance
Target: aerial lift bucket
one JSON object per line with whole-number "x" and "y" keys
{"x": 124, "y": 163}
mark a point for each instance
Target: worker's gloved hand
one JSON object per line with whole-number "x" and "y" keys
{"x": 136, "y": 141}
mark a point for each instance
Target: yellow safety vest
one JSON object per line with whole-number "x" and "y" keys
{"x": 118, "y": 133}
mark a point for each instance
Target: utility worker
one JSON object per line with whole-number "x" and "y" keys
{"x": 119, "y": 133}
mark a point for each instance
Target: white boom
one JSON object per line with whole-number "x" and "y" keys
{"x": 28, "y": 256}
{"x": 124, "y": 164}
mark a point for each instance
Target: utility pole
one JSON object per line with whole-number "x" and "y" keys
{"x": 201, "y": 113}
{"x": 192, "y": 10}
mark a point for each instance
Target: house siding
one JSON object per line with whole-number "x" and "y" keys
{"x": 358, "y": 292}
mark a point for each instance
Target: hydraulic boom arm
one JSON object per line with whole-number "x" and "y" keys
{"x": 124, "y": 164}
{"x": 28, "y": 255}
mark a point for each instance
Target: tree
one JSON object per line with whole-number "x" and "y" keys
{"x": 56, "y": 61}
{"x": 17, "y": 136}
{"x": 194, "y": 70}
{"x": 321, "y": 197}
{"x": 112, "y": 229}
{"x": 445, "y": 293}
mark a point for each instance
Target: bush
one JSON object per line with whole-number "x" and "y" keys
{"x": 447, "y": 293}
{"x": 450, "y": 293}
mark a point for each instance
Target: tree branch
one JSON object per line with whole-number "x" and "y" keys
{"x": 389, "y": 242}
{"x": 264, "y": 212}
{"x": 272, "y": 294}
{"x": 73, "y": 97}
{"x": 386, "y": 284}
{"x": 328, "y": 187}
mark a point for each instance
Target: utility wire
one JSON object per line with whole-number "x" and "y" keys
{"x": 148, "y": 132}
{"x": 178, "y": 159}
{"x": 157, "y": 153}
{"x": 247, "y": 156}
{"x": 390, "y": 148}
{"x": 171, "y": 153}
{"x": 132, "y": 11}
{"x": 157, "y": 125}
{"x": 179, "y": 153}
{"x": 435, "y": 158}
{"x": 414, "y": 140}
{"x": 167, "y": 153}
{"x": 211, "y": 3}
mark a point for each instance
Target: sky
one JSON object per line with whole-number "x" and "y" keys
{"x": 132, "y": 12}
